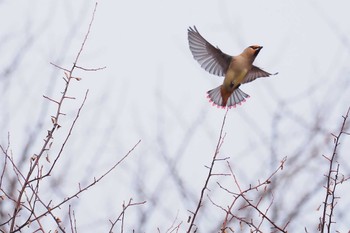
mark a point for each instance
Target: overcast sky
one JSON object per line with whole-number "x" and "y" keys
{"x": 153, "y": 90}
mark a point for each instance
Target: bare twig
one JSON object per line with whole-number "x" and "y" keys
{"x": 59, "y": 67}
{"x": 332, "y": 181}
{"x": 173, "y": 227}
{"x": 90, "y": 69}
{"x": 72, "y": 220}
{"x": 48, "y": 140}
{"x": 218, "y": 146}
{"x": 68, "y": 135}
{"x": 85, "y": 39}
{"x": 263, "y": 215}
{"x": 256, "y": 207}
{"x": 82, "y": 189}
{"x": 5, "y": 152}
{"x": 122, "y": 214}
{"x": 52, "y": 100}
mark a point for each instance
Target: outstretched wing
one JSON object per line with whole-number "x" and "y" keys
{"x": 254, "y": 73}
{"x": 210, "y": 58}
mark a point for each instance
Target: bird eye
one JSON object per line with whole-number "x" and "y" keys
{"x": 254, "y": 47}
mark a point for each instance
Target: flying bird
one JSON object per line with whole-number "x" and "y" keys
{"x": 236, "y": 69}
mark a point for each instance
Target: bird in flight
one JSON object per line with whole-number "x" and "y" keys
{"x": 236, "y": 69}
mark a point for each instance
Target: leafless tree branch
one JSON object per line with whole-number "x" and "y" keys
{"x": 218, "y": 146}
{"x": 122, "y": 215}
{"x": 332, "y": 181}
{"x": 242, "y": 194}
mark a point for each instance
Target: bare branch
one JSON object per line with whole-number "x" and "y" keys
{"x": 47, "y": 141}
{"x": 59, "y": 67}
{"x": 46, "y": 97}
{"x": 122, "y": 214}
{"x": 248, "y": 202}
{"x": 332, "y": 181}
{"x": 218, "y": 146}
{"x": 91, "y": 69}
{"x": 95, "y": 181}
{"x": 72, "y": 220}
{"x": 86, "y": 37}
{"x": 68, "y": 135}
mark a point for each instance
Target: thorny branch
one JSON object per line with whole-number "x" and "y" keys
{"x": 256, "y": 207}
{"x": 72, "y": 220}
{"x": 174, "y": 227}
{"x": 29, "y": 183}
{"x": 218, "y": 146}
{"x": 122, "y": 215}
{"x": 82, "y": 189}
{"x": 49, "y": 137}
{"x": 332, "y": 181}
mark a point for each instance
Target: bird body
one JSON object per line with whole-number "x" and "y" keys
{"x": 236, "y": 69}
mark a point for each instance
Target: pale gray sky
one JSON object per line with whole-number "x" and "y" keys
{"x": 153, "y": 90}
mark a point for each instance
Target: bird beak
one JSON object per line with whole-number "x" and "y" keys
{"x": 258, "y": 50}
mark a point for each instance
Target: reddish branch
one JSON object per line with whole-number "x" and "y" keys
{"x": 27, "y": 180}
{"x": 122, "y": 215}
{"x": 72, "y": 220}
{"x": 5, "y": 152}
{"x": 210, "y": 174}
{"x": 332, "y": 181}
{"x": 50, "y": 208}
{"x": 249, "y": 203}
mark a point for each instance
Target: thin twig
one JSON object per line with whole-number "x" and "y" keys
{"x": 86, "y": 36}
{"x": 81, "y": 190}
{"x": 122, "y": 213}
{"x": 172, "y": 228}
{"x": 218, "y": 146}
{"x": 90, "y": 69}
{"x": 332, "y": 182}
{"x": 5, "y": 152}
{"x": 59, "y": 67}
{"x": 263, "y": 215}
{"x": 49, "y": 137}
{"x": 72, "y": 220}
{"x": 242, "y": 195}
{"x": 68, "y": 135}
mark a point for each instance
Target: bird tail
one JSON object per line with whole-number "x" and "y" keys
{"x": 223, "y": 98}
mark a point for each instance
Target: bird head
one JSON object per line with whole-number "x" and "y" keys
{"x": 252, "y": 51}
